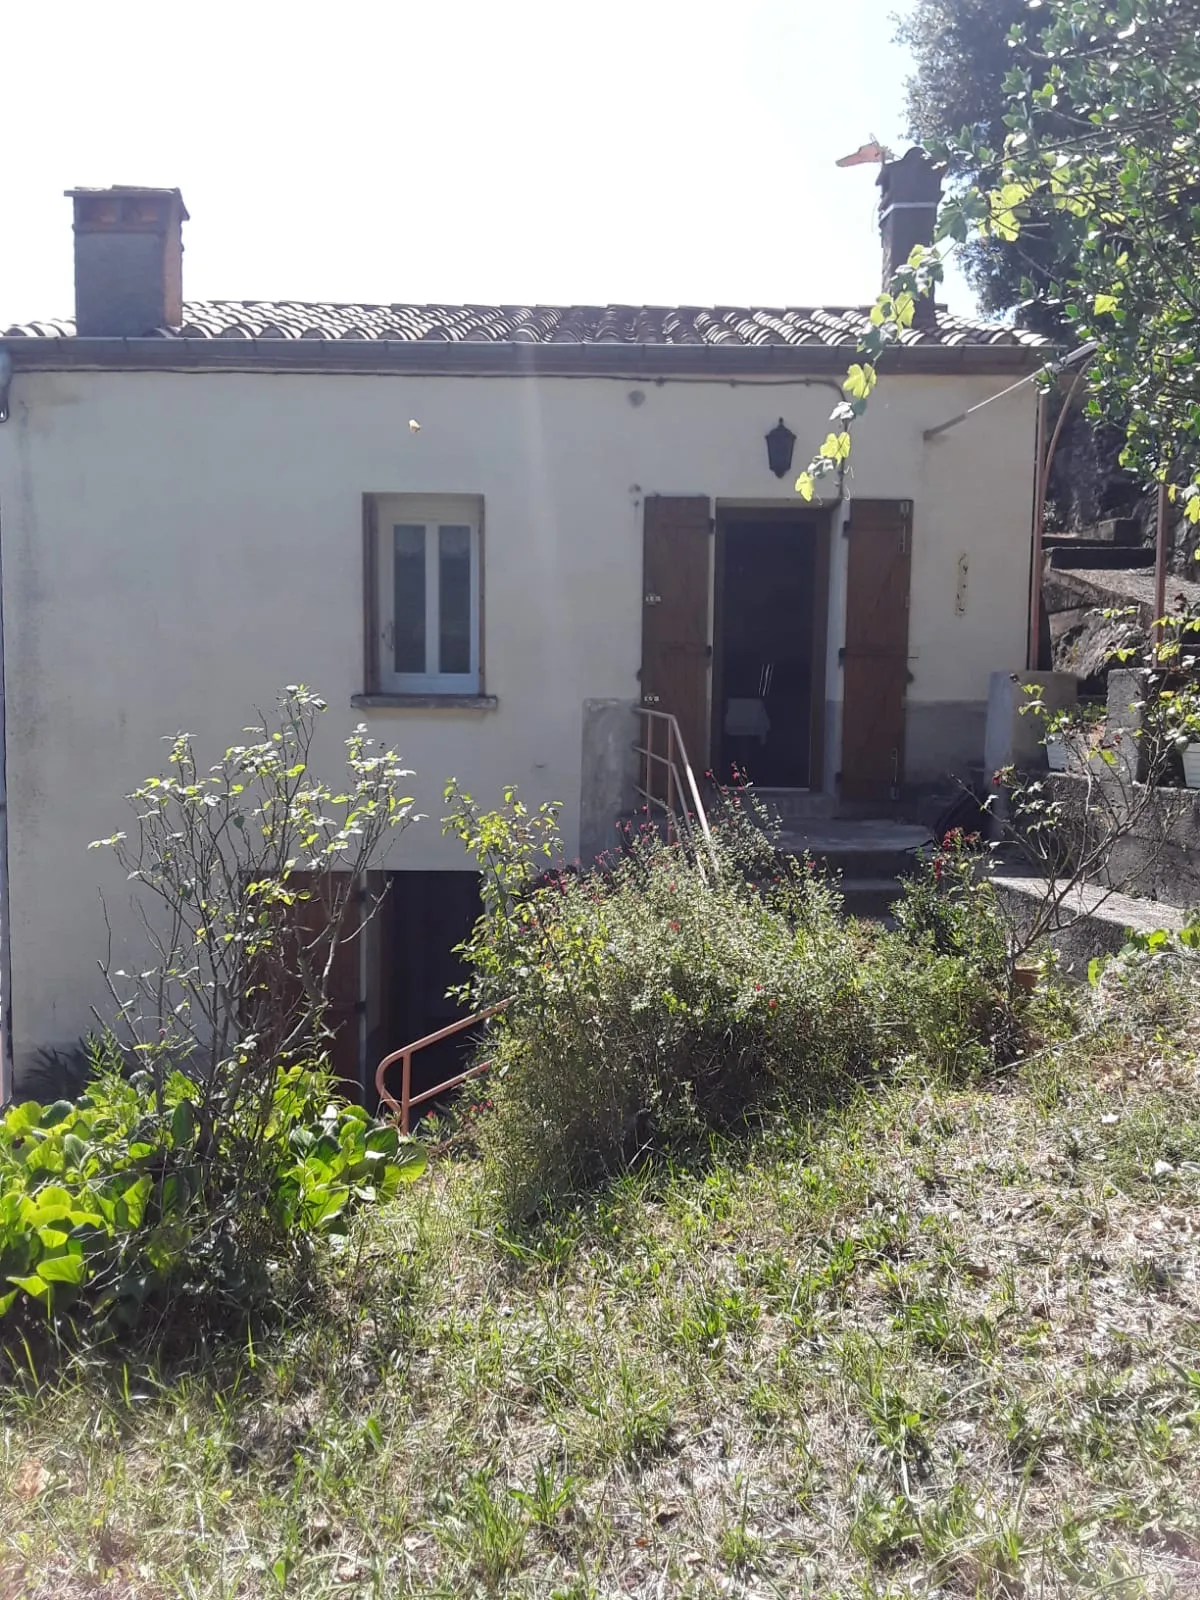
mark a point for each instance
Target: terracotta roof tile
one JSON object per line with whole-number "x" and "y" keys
{"x": 715, "y": 326}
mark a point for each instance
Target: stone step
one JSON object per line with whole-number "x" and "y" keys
{"x": 795, "y": 807}
{"x": 1125, "y": 531}
{"x": 871, "y": 898}
{"x": 859, "y": 849}
{"x": 1095, "y": 920}
{"x": 1078, "y": 555}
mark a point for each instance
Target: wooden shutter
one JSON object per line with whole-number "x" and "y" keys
{"x": 675, "y": 595}
{"x": 875, "y": 657}
{"x": 311, "y": 917}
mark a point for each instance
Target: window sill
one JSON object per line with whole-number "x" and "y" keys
{"x": 425, "y": 702}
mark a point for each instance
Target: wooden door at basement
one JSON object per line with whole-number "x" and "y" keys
{"x": 311, "y": 918}
{"x": 675, "y": 619}
{"x": 875, "y": 657}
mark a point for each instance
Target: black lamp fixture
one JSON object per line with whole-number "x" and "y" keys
{"x": 781, "y": 441}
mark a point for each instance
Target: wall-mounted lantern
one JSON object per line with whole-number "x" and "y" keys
{"x": 781, "y": 441}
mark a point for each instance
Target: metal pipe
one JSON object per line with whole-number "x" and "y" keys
{"x": 1160, "y": 568}
{"x": 6, "y": 1014}
{"x": 1033, "y": 648}
{"x": 1031, "y": 377}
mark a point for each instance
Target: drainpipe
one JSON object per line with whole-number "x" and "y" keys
{"x": 6, "y": 1049}
{"x": 1160, "y": 569}
{"x": 1033, "y": 649}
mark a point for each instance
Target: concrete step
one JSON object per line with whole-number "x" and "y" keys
{"x": 859, "y": 849}
{"x": 1125, "y": 531}
{"x": 1079, "y": 555}
{"x": 1095, "y": 920}
{"x": 871, "y": 898}
{"x": 796, "y": 807}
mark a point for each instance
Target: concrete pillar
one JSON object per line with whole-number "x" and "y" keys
{"x": 1014, "y": 736}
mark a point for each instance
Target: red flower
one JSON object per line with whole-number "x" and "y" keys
{"x": 771, "y": 1004}
{"x": 674, "y": 927}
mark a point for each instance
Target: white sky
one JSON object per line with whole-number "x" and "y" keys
{"x": 649, "y": 151}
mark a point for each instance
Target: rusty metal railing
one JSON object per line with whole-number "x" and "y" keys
{"x": 404, "y": 1106}
{"x": 677, "y": 793}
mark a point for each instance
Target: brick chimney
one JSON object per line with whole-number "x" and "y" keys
{"x": 128, "y": 261}
{"x": 910, "y": 191}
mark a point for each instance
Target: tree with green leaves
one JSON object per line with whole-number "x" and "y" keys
{"x": 1103, "y": 142}
{"x": 963, "y": 52}
{"x": 1107, "y": 145}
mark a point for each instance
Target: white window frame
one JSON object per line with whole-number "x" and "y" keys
{"x": 434, "y": 512}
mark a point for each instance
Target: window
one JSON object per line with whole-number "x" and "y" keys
{"x": 426, "y": 582}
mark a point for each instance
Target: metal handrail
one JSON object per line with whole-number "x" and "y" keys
{"x": 403, "y": 1107}
{"x": 681, "y": 782}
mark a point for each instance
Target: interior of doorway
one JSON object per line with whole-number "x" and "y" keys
{"x": 770, "y": 586}
{"x": 413, "y": 965}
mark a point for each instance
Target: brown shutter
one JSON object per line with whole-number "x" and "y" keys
{"x": 312, "y": 918}
{"x": 875, "y": 658}
{"x": 675, "y": 595}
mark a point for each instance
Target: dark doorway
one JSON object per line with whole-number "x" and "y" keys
{"x": 423, "y": 917}
{"x": 769, "y": 645}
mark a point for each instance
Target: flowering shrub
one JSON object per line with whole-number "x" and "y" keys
{"x": 658, "y": 997}
{"x": 949, "y": 903}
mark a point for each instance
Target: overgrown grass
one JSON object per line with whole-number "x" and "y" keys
{"x": 937, "y": 1340}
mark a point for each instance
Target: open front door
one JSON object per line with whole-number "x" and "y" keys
{"x": 875, "y": 658}
{"x": 675, "y": 591}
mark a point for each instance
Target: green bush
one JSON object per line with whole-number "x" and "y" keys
{"x": 949, "y": 902}
{"x": 664, "y": 995}
{"x": 207, "y": 1153}
{"x": 111, "y": 1204}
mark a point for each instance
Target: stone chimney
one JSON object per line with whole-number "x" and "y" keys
{"x": 910, "y": 191}
{"x": 128, "y": 261}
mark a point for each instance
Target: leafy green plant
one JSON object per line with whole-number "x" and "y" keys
{"x": 103, "y": 1201}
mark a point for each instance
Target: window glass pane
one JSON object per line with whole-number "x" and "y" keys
{"x": 409, "y": 596}
{"x": 454, "y": 599}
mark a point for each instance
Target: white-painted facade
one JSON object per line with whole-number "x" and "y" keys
{"x": 177, "y": 546}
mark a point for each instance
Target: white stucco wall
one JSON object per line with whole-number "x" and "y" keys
{"x": 178, "y": 546}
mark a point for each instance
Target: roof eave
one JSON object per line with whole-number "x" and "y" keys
{"x": 470, "y": 358}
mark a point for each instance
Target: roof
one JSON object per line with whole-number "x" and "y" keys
{"x": 742, "y": 327}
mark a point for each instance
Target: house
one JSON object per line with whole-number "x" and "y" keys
{"x": 202, "y": 502}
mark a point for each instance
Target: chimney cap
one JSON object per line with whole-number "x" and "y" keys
{"x": 129, "y": 191}
{"x": 912, "y": 178}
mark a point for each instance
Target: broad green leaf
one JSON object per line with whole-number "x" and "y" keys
{"x": 32, "y": 1285}
{"x": 23, "y": 1117}
{"x": 63, "y": 1269}
{"x": 411, "y": 1162}
{"x": 860, "y": 380}
{"x": 805, "y": 484}
{"x": 182, "y": 1125}
{"x": 1103, "y": 303}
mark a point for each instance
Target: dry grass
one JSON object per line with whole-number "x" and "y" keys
{"x": 938, "y": 1342}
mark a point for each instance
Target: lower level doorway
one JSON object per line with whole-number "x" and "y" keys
{"x": 768, "y": 648}
{"x": 423, "y": 917}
